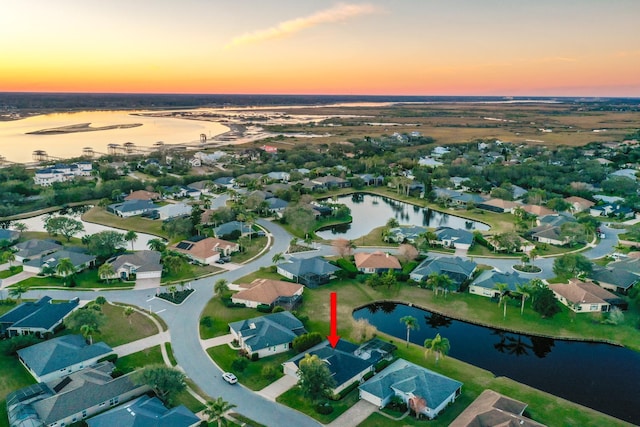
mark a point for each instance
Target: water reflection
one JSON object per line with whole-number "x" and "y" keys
{"x": 370, "y": 211}
{"x": 600, "y": 376}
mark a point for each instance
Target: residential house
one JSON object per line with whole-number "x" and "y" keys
{"x": 225, "y": 182}
{"x": 408, "y": 233}
{"x": 267, "y": 335}
{"x": 518, "y": 192}
{"x": 132, "y": 208}
{"x": 311, "y": 272}
{"x": 330, "y": 181}
{"x": 578, "y": 204}
{"x": 376, "y": 262}
{"x": 498, "y": 205}
{"x": 618, "y": 276}
{"x": 279, "y": 176}
{"x": 276, "y": 205}
{"x": 584, "y": 297}
{"x": 80, "y": 261}
{"x": 625, "y": 173}
{"x": 612, "y": 209}
{"x": 268, "y": 292}
{"x": 429, "y": 162}
{"x": 411, "y": 382}
{"x": 457, "y": 269}
{"x": 485, "y": 283}
{"x": 41, "y": 317}
{"x": 347, "y": 362}
{"x": 494, "y": 409}
{"x": 439, "y": 151}
{"x": 145, "y": 411}
{"x": 57, "y": 357}
{"x": 35, "y": 248}
{"x": 205, "y": 250}
{"x": 202, "y": 187}
{"x": 454, "y": 238}
{"x": 174, "y": 210}
{"x": 144, "y": 264}
{"x": 210, "y": 158}
{"x": 537, "y": 210}
{"x": 370, "y": 179}
{"x": 549, "y": 229}
{"x": 230, "y": 227}
{"x": 71, "y": 399}
{"x": 143, "y": 195}
{"x": 61, "y": 173}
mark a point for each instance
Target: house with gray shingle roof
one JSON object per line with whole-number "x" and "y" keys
{"x": 267, "y": 335}
{"x": 132, "y": 207}
{"x": 72, "y": 398}
{"x": 457, "y": 269}
{"x": 61, "y": 356}
{"x": 80, "y": 261}
{"x": 145, "y": 411}
{"x": 311, "y": 272}
{"x": 408, "y": 381}
{"x": 229, "y": 227}
{"x": 34, "y": 248}
{"x": 144, "y": 264}
{"x": 347, "y": 362}
{"x": 616, "y": 276}
{"x": 454, "y": 238}
{"x": 40, "y": 317}
{"x": 407, "y": 233}
{"x": 485, "y": 283}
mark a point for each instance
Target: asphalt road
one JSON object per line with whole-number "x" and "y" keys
{"x": 183, "y": 322}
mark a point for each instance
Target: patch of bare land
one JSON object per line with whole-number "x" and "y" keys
{"x": 81, "y": 127}
{"x": 557, "y": 124}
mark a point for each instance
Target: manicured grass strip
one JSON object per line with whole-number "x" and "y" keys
{"x": 172, "y": 359}
{"x": 253, "y": 248}
{"x": 248, "y": 422}
{"x": 185, "y": 398}
{"x": 87, "y": 279}
{"x": 12, "y": 271}
{"x": 293, "y": 398}
{"x": 221, "y": 316}
{"x": 253, "y": 375}
{"x": 159, "y": 319}
{"x": 148, "y": 356}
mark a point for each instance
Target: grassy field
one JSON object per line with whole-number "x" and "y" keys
{"x": 148, "y": 356}
{"x": 256, "y": 244}
{"x": 13, "y": 376}
{"x": 99, "y": 215}
{"x": 252, "y": 377}
{"x": 189, "y": 272}
{"x": 221, "y": 316}
{"x": 294, "y": 399}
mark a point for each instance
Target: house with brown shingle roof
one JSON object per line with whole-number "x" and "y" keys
{"x": 537, "y": 210}
{"x": 494, "y": 409}
{"x": 376, "y": 262}
{"x": 143, "y": 195}
{"x": 578, "y": 204}
{"x": 498, "y": 205}
{"x": 269, "y": 292}
{"x": 583, "y": 297}
{"x": 207, "y": 250}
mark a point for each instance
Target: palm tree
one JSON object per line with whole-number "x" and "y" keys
{"x": 525, "y": 259}
{"x": 173, "y": 289}
{"x": 65, "y": 268}
{"x": 17, "y": 290}
{"x": 20, "y": 226}
{"x": 216, "y": 410}
{"x": 87, "y": 331}
{"x": 502, "y": 289}
{"x": 277, "y": 258}
{"x": 128, "y": 311}
{"x": 156, "y": 245}
{"x": 524, "y": 291}
{"x": 106, "y": 271}
{"x": 411, "y": 323}
{"x": 131, "y": 236}
{"x": 440, "y": 346}
{"x": 221, "y": 287}
{"x": 8, "y": 256}
{"x": 440, "y": 282}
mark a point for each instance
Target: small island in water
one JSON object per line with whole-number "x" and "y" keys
{"x": 81, "y": 127}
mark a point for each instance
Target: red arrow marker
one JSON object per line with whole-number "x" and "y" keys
{"x": 334, "y": 337}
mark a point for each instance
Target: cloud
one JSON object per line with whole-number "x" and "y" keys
{"x": 340, "y": 12}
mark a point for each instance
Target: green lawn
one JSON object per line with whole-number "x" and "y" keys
{"x": 119, "y": 330}
{"x": 87, "y": 279}
{"x": 221, "y": 316}
{"x": 13, "y": 376}
{"x": 294, "y": 399}
{"x": 256, "y": 244}
{"x": 149, "y": 356}
{"x": 172, "y": 358}
{"x": 189, "y": 272}
{"x": 252, "y": 376}
{"x": 99, "y": 215}
{"x": 12, "y": 271}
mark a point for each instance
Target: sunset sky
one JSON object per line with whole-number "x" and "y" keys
{"x": 377, "y": 47}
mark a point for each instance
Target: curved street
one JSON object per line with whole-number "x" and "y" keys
{"x": 183, "y": 321}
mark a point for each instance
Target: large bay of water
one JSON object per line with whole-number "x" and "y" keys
{"x": 600, "y": 376}
{"x": 17, "y": 145}
{"x": 370, "y": 211}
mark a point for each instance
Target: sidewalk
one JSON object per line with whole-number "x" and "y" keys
{"x": 12, "y": 280}
{"x": 354, "y": 415}
{"x": 276, "y": 388}
{"x": 216, "y": 341}
{"x": 142, "y": 344}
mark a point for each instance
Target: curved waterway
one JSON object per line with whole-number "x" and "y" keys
{"x": 601, "y": 376}
{"x": 369, "y": 211}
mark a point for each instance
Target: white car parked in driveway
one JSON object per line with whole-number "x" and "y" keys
{"x": 229, "y": 377}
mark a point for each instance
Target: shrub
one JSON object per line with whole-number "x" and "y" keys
{"x": 264, "y": 308}
{"x": 239, "y": 364}
{"x": 255, "y": 357}
{"x": 20, "y": 342}
{"x": 347, "y": 390}
{"x": 278, "y": 309}
{"x": 101, "y": 300}
{"x": 206, "y": 321}
{"x": 108, "y": 358}
{"x": 306, "y": 341}
{"x": 324, "y": 408}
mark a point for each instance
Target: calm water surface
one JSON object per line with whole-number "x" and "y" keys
{"x": 600, "y": 376}
{"x": 17, "y": 146}
{"x": 370, "y": 211}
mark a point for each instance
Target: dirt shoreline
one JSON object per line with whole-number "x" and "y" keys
{"x": 81, "y": 127}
